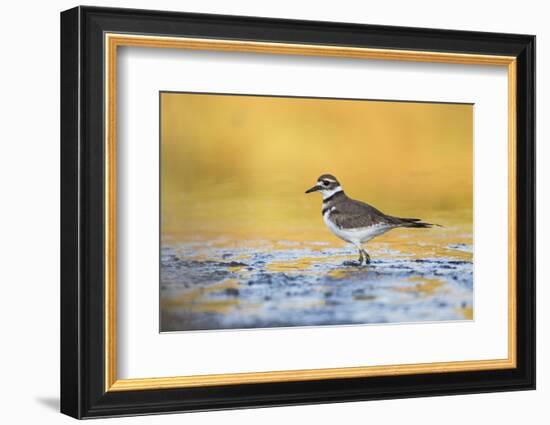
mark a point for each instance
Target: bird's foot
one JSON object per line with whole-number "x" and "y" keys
{"x": 352, "y": 263}
{"x": 367, "y": 257}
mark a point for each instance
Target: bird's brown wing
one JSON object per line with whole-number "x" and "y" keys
{"x": 354, "y": 214}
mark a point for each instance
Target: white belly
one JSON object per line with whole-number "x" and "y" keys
{"x": 356, "y": 236}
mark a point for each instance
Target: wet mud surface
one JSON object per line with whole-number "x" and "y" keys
{"x": 214, "y": 285}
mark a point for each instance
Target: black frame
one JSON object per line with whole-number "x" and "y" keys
{"x": 82, "y": 202}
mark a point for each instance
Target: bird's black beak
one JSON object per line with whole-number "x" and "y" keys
{"x": 314, "y": 189}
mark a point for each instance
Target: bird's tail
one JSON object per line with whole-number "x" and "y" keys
{"x": 415, "y": 222}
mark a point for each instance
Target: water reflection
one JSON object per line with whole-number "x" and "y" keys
{"x": 220, "y": 284}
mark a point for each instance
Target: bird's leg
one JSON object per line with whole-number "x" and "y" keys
{"x": 359, "y": 261}
{"x": 366, "y": 255}
{"x": 361, "y": 258}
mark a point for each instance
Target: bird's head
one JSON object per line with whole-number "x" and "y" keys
{"x": 327, "y": 184}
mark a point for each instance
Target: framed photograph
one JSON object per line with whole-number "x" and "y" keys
{"x": 261, "y": 212}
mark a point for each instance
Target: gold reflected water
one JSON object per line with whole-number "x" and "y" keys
{"x": 240, "y": 164}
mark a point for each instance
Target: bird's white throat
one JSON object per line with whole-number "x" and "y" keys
{"x": 327, "y": 193}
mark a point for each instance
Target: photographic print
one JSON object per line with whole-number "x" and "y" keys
{"x": 274, "y": 181}
{"x": 290, "y": 211}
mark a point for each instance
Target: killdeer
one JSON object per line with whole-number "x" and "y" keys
{"x": 354, "y": 221}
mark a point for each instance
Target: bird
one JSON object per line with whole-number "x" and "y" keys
{"x": 354, "y": 221}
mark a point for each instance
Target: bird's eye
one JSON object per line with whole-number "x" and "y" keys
{"x": 325, "y": 183}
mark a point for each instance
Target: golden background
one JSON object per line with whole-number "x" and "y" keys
{"x": 238, "y": 166}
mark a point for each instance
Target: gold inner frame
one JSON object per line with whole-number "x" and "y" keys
{"x": 113, "y": 41}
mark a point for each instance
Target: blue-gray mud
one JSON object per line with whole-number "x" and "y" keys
{"x": 206, "y": 287}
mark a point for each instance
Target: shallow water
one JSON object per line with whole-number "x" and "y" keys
{"x": 224, "y": 284}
